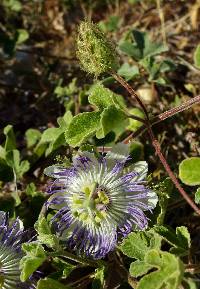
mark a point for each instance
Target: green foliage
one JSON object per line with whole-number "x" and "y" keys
{"x": 11, "y": 165}
{"x": 197, "y": 56}
{"x": 32, "y": 137}
{"x": 139, "y": 268}
{"x": 156, "y": 69}
{"x": 164, "y": 190}
{"x": 95, "y": 52}
{"x": 111, "y": 24}
{"x": 53, "y": 138}
{"x": 13, "y": 5}
{"x": 63, "y": 268}
{"x": 189, "y": 171}
{"x": 50, "y": 284}
{"x": 141, "y": 46}
{"x": 169, "y": 274}
{"x": 19, "y": 167}
{"x": 138, "y": 46}
{"x": 197, "y": 196}
{"x": 137, "y": 244}
{"x": 82, "y": 127}
{"x": 45, "y": 235}
{"x": 35, "y": 256}
{"x": 128, "y": 72}
{"x": 99, "y": 278}
{"x": 179, "y": 239}
{"x": 135, "y": 124}
{"x": 109, "y": 116}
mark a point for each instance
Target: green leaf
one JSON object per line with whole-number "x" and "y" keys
{"x": 131, "y": 50}
{"x": 137, "y": 244}
{"x": 169, "y": 274}
{"x": 32, "y": 137}
{"x": 50, "y": 284}
{"x": 128, "y": 71}
{"x": 142, "y": 46}
{"x": 50, "y": 134}
{"x": 197, "y": 196}
{"x": 189, "y": 171}
{"x": 139, "y": 268}
{"x": 31, "y": 190}
{"x": 197, "y": 56}
{"x": 54, "y": 136}
{"x": 164, "y": 190}
{"x": 180, "y": 238}
{"x": 99, "y": 278}
{"x": 35, "y": 256}
{"x": 13, "y": 5}
{"x": 22, "y": 36}
{"x": 135, "y": 124}
{"x": 100, "y": 96}
{"x": 64, "y": 267}
{"x": 10, "y": 143}
{"x": 112, "y": 119}
{"x": 13, "y": 160}
{"x": 45, "y": 235}
{"x": 111, "y": 24}
{"x": 83, "y": 126}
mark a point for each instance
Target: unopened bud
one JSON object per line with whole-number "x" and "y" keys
{"x": 95, "y": 52}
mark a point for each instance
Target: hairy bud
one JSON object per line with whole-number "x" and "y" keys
{"x": 95, "y": 52}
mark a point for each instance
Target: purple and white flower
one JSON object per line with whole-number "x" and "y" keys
{"x": 11, "y": 239}
{"x": 99, "y": 200}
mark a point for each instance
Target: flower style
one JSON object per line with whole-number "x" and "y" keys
{"x": 11, "y": 238}
{"x": 98, "y": 200}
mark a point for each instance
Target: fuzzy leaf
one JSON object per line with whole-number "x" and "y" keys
{"x": 139, "y": 268}
{"x": 83, "y": 125}
{"x": 189, "y": 171}
{"x": 169, "y": 274}
{"x": 112, "y": 119}
{"x": 45, "y": 236}
{"x": 100, "y": 96}
{"x": 137, "y": 244}
{"x": 35, "y": 256}
{"x": 197, "y": 196}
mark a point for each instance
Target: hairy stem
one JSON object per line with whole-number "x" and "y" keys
{"x": 131, "y": 91}
{"x": 155, "y": 143}
{"x": 167, "y": 114}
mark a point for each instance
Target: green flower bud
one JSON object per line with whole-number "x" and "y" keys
{"x": 95, "y": 52}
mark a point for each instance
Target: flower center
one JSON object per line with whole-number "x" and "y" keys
{"x": 91, "y": 206}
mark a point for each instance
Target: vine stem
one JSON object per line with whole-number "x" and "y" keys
{"x": 155, "y": 143}
{"x": 74, "y": 258}
{"x": 169, "y": 113}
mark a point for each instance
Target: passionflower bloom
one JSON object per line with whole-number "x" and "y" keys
{"x": 11, "y": 238}
{"x": 99, "y": 200}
